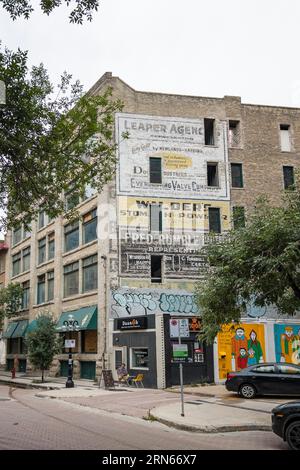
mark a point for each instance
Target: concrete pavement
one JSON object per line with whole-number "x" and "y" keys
{"x": 208, "y": 409}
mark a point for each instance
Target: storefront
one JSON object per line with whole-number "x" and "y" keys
{"x": 146, "y": 344}
{"x": 15, "y": 344}
{"x": 81, "y": 326}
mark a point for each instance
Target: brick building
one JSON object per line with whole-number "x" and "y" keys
{"x": 189, "y": 166}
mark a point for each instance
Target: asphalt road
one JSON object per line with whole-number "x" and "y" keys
{"x": 28, "y": 422}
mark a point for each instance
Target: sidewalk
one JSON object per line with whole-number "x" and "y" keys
{"x": 51, "y": 383}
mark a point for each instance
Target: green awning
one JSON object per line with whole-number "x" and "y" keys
{"x": 32, "y": 326}
{"x": 10, "y": 329}
{"x": 20, "y": 330}
{"x": 83, "y": 319}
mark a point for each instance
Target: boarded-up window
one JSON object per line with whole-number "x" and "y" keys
{"x": 155, "y": 218}
{"x": 234, "y": 133}
{"x": 285, "y": 137}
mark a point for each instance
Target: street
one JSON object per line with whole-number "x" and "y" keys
{"x": 31, "y": 422}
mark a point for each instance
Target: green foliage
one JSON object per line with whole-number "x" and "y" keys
{"x": 49, "y": 142}
{"x": 43, "y": 343}
{"x": 259, "y": 263}
{"x": 83, "y": 9}
{"x": 10, "y": 301}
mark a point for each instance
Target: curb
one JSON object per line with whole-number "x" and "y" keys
{"x": 26, "y": 385}
{"x": 211, "y": 429}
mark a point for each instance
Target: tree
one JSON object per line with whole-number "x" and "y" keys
{"x": 43, "y": 343}
{"x": 83, "y": 9}
{"x": 257, "y": 264}
{"x": 49, "y": 143}
{"x": 10, "y": 301}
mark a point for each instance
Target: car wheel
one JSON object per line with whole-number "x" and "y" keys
{"x": 293, "y": 435}
{"x": 247, "y": 391}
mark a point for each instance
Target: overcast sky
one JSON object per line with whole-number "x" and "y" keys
{"x": 247, "y": 48}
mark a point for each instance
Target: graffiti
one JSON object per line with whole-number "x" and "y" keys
{"x": 177, "y": 303}
{"x": 128, "y": 301}
{"x": 142, "y": 303}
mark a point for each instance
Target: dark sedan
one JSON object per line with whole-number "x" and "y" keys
{"x": 265, "y": 379}
{"x": 286, "y": 423}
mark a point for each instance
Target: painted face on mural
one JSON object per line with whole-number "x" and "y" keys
{"x": 289, "y": 332}
{"x": 240, "y": 332}
{"x": 253, "y": 335}
{"x": 243, "y": 352}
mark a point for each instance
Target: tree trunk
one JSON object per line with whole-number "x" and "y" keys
{"x": 42, "y": 375}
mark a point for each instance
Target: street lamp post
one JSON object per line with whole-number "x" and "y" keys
{"x": 70, "y": 325}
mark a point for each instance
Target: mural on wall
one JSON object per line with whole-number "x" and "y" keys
{"x": 183, "y": 232}
{"x": 125, "y": 302}
{"x": 240, "y": 346}
{"x": 287, "y": 343}
{"x": 179, "y": 143}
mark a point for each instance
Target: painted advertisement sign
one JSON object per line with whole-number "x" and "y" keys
{"x": 287, "y": 343}
{"x": 136, "y": 302}
{"x": 179, "y": 143}
{"x": 240, "y": 346}
{"x": 183, "y": 232}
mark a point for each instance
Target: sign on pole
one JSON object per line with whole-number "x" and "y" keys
{"x": 179, "y": 327}
{"x": 70, "y": 343}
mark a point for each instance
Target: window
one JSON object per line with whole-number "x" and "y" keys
{"x": 90, "y": 226}
{"x": 155, "y": 218}
{"x": 16, "y": 264}
{"x": 2, "y": 264}
{"x": 139, "y": 358}
{"x": 284, "y": 369}
{"x": 51, "y": 245}
{"x": 50, "y": 285}
{"x": 209, "y": 131}
{"x": 89, "y": 192}
{"x": 71, "y": 279}
{"x": 42, "y": 250}
{"x": 155, "y": 170}
{"x": 285, "y": 138}
{"x": 27, "y": 231}
{"x": 89, "y": 341}
{"x": 90, "y": 273}
{"x": 288, "y": 177}
{"x": 17, "y": 235}
{"x": 71, "y": 236}
{"x": 214, "y": 219}
{"x": 238, "y": 213}
{"x": 71, "y": 200}
{"x": 26, "y": 258}
{"x": 41, "y": 222}
{"x": 156, "y": 268}
{"x": 212, "y": 174}
{"x": 41, "y": 289}
{"x": 237, "y": 175}
{"x": 234, "y": 133}
{"x": 25, "y": 295}
{"x": 264, "y": 369}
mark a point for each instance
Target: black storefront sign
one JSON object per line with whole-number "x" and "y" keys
{"x": 136, "y": 323}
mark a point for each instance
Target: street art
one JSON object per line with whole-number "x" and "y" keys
{"x": 240, "y": 346}
{"x": 287, "y": 343}
{"x": 144, "y": 302}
